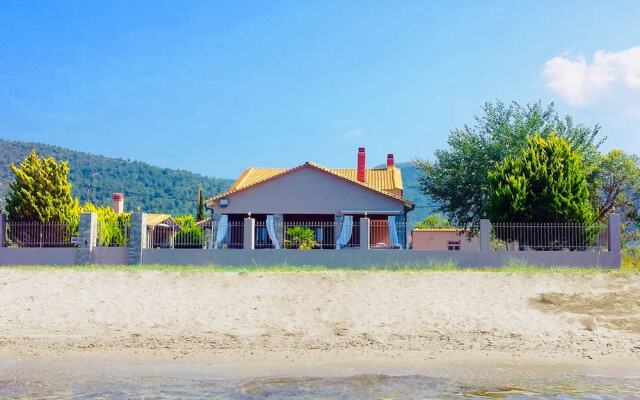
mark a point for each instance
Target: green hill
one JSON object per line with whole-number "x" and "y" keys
{"x": 95, "y": 178}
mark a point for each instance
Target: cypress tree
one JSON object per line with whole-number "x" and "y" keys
{"x": 41, "y": 191}
{"x": 545, "y": 184}
{"x": 201, "y": 212}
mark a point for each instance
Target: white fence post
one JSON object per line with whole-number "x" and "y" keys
{"x": 485, "y": 235}
{"x": 365, "y": 233}
{"x": 249, "y": 234}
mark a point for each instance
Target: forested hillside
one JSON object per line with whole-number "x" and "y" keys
{"x": 94, "y": 178}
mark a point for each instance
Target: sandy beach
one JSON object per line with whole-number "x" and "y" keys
{"x": 260, "y": 323}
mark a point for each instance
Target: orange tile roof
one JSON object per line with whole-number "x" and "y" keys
{"x": 440, "y": 229}
{"x": 155, "y": 219}
{"x": 380, "y": 180}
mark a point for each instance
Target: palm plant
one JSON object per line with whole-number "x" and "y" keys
{"x": 300, "y": 237}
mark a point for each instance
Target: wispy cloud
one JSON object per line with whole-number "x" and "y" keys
{"x": 581, "y": 83}
{"x": 354, "y": 133}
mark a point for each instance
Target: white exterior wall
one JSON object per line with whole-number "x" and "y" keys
{"x": 307, "y": 191}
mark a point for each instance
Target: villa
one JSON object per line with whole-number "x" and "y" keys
{"x": 327, "y": 200}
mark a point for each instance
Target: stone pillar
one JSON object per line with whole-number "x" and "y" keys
{"x": 138, "y": 239}
{"x": 249, "y": 234}
{"x": 338, "y": 219}
{"x": 485, "y": 235}
{"x": 87, "y": 237}
{"x": 614, "y": 232}
{"x": 278, "y": 220}
{"x": 3, "y": 229}
{"x": 365, "y": 233}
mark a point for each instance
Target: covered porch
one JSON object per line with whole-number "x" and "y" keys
{"x": 385, "y": 230}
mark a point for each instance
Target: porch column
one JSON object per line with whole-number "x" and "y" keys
{"x": 365, "y": 233}
{"x": 249, "y": 234}
{"x": 215, "y": 219}
{"x": 278, "y": 220}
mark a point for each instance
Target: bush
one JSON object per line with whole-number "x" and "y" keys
{"x": 112, "y": 227}
{"x": 631, "y": 259}
{"x": 190, "y": 234}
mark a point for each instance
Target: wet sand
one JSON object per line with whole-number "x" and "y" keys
{"x": 318, "y": 323}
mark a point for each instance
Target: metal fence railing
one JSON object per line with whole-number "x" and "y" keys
{"x": 172, "y": 236}
{"x": 548, "y": 237}
{"x": 305, "y": 235}
{"x": 41, "y": 234}
{"x": 311, "y": 234}
{"x": 380, "y": 235}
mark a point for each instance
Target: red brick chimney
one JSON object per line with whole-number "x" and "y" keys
{"x": 362, "y": 171}
{"x": 118, "y": 202}
{"x": 390, "y": 162}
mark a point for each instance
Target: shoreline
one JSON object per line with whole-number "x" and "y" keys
{"x": 320, "y": 324}
{"x": 491, "y": 369}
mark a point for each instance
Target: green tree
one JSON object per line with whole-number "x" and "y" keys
{"x": 434, "y": 221}
{"x": 41, "y": 191}
{"x": 201, "y": 212}
{"x": 457, "y": 180}
{"x": 301, "y": 237}
{"x": 617, "y": 189}
{"x": 546, "y": 183}
{"x": 617, "y": 184}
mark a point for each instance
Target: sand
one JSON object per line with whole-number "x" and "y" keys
{"x": 260, "y": 323}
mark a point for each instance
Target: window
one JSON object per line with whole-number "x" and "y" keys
{"x": 453, "y": 245}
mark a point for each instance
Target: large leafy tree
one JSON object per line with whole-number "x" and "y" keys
{"x": 458, "y": 177}
{"x": 41, "y": 191}
{"x": 618, "y": 184}
{"x": 545, "y": 183}
{"x": 617, "y": 189}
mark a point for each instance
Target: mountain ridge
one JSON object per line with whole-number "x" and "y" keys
{"x": 95, "y": 177}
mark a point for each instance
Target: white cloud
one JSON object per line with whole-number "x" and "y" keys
{"x": 354, "y": 133}
{"x": 581, "y": 83}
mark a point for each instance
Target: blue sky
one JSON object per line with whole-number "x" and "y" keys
{"x": 214, "y": 86}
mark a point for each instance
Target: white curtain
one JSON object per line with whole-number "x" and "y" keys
{"x": 271, "y": 230}
{"x": 221, "y": 233}
{"x": 345, "y": 234}
{"x": 393, "y": 232}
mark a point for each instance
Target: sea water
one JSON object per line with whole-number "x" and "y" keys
{"x": 355, "y": 387}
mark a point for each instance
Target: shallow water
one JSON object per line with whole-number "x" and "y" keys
{"x": 355, "y": 387}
